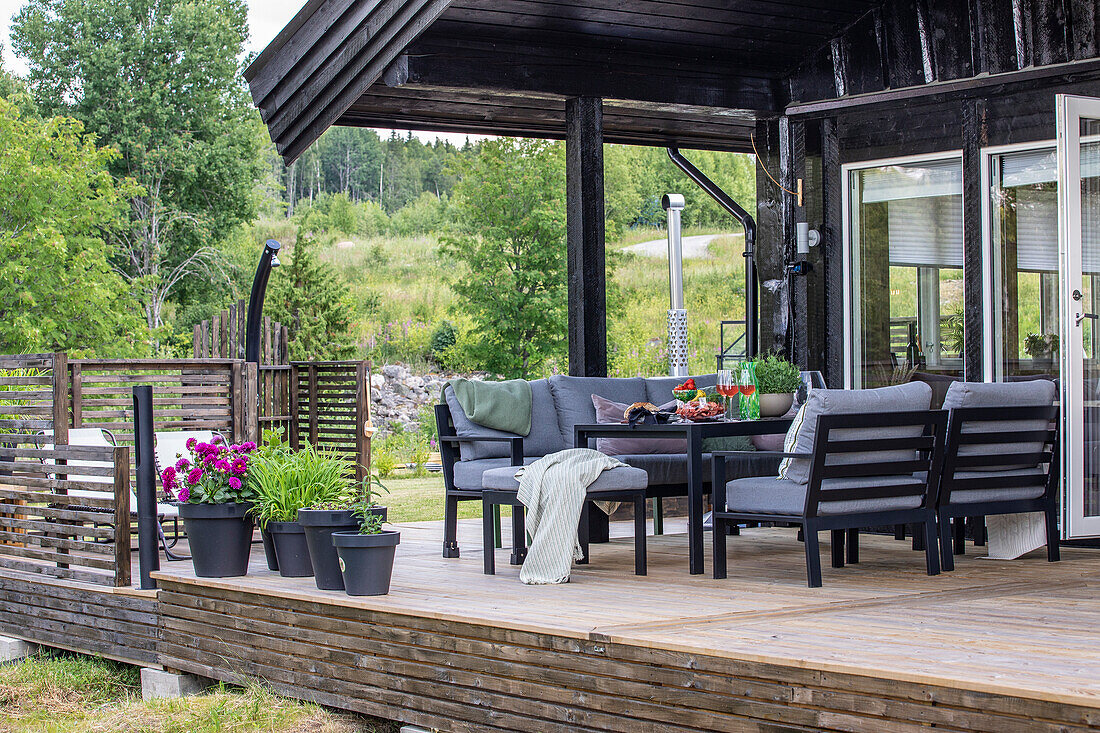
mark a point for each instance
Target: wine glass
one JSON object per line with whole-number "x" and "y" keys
{"x": 728, "y": 388}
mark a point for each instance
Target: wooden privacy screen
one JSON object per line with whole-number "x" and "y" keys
{"x": 65, "y": 509}
{"x": 188, "y": 394}
{"x": 330, "y": 408}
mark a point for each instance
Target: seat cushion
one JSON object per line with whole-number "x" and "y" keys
{"x": 659, "y": 389}
{"x": 770, "y": 495}
{"x": 1017, "y": 493}
{"x": 803, "y": 431}
{"x": 544, "y": 438}
{"x": 613, "y": 479}
{"x": 573, "y": 398}
{"x": 468, "y": 473}
{"x": 1034, "y": 393}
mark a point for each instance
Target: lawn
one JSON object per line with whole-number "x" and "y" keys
{"x": 421, "y": 500}
{"x": 67, "y": 693}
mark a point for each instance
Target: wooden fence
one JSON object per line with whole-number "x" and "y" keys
{"x": 330, "y": 408}
{"x": 66, "y": 509}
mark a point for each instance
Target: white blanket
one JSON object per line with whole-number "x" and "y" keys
{"x": 553, "y": 490}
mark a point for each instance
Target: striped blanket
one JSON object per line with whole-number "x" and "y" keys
{"x": 553, "y": 490}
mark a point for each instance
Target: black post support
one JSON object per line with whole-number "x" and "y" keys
{"x": 974, "y": 139}
{"x": 268, "y": 260}
{"x": 148, "y": 542}
{"x": 584, "y": 206}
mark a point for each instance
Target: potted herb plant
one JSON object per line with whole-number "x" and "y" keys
{"x": 366, "y": 555}
{"x": 1041, "y": 348}
{"x": 776, "y": 382}
{"x": 215, "y": 502}
{"x": 285, "y": 483}
{"x": 322, "y": 519}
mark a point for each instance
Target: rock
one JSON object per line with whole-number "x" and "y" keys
{"x": 345, "y": 245}
{"x": 377, "y": 381}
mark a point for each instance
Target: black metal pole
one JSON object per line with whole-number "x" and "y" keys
{"x": 148, "y": 539}
{"x": 268, "y": 260}
{"x": 748, "y": 224}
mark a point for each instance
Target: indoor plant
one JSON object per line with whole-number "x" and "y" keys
{"x": 323, "y": 518}
{"x": 215, "y": 502}
{"x": 776, "y": 382}
{"x": 366, "y": 555}
{"x": 285, "y": 483}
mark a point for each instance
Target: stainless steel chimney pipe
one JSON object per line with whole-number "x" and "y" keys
{"x": 673, "y": 204}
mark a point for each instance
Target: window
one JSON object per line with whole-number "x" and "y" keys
{"x": 905, "y": 258}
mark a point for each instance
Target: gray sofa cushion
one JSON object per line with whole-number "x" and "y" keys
{"x": 1040, "y": 392}
{"x": 468, "y": 473}
{"x": 800, "y": 437}
{"x": 544, "y": 438}
{"x": 573, "y": 398}
{"x": 666, "y": 469}
{"x": 658, "y": 390}
{"x": 613, "y": 479}
{"x": 974, "y": 496}
{"x": 770, "y": 495}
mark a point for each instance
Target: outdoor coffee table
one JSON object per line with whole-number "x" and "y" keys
{"x": 694, "y": 433}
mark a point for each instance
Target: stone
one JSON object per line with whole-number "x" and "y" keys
{"x": 12, "y": 650}
{"x": 413, "y": 729}
{"x": 159, "y": 683}
{"x": 377, "y": 381}
{"x": 392, "y": 371}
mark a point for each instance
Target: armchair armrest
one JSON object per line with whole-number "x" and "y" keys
{"x": 515, "y": 444}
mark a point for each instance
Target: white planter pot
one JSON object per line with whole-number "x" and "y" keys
{"x": 775, "y": 405}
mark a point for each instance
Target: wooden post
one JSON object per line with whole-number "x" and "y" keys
{"x": 77, "y": 394}
{"x": 196, "y": 341}
{"x": 60, "y": 371}
{"x": 584, "y": 204}
{"x": 312, "y": 404}
{"x": 238, "y": 397}
{"x": 251, "y": 404}
{"x": 294, "y": 437}
{"x": 122, "y": 516}
{"x": 362, "y": 417}
{"x": 223, "y": 342}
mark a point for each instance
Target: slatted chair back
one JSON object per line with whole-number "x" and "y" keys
{"x": 1001, "y": 454}
{"x": 863, "y": 462}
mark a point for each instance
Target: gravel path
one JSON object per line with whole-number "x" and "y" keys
{"x": 694, "y": 247}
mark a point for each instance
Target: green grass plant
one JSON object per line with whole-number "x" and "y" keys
{"x": 287, "y": 482}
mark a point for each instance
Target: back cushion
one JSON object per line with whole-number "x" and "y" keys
{"x": 573, "y": 398}
{"x": 803, "y": 431}
{"x": 614, "y": 412}
{"x": 659, "y": 389}
{"x": 544, "y": 438}
{"x": 1035, "y": 393}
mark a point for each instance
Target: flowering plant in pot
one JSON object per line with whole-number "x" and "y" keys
{"x": 777, "y": 379}
{"x": 215, "y": 499}
{"x": 287, "y": 482}
{"x": 366, "y": 556}
{"x": 323, "y": 518}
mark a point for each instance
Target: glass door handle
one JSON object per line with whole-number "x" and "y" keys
{"x": 1083, "y": 316}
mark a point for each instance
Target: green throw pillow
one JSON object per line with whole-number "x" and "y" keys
{"x": 730, "y": 442}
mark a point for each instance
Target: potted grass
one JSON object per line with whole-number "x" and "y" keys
{"x": 776, "y": 382}
{"x": 285, "y": 483}
{"x": 322, "y": 519}
{"x": 215, "y": 502}
{"x": 272, "y": 447}
{"x": 366, "y": 555}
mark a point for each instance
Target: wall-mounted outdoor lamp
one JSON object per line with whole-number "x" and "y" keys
{"x": 268, "y": 260}
{"x": 805, "y": 237}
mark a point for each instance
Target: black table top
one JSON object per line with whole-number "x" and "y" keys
{"x": 708, "y": 429}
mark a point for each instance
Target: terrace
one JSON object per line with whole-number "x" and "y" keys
{"x": 901, "y": 121}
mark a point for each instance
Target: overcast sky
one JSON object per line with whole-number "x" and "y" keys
{"x": 265, "y": 19}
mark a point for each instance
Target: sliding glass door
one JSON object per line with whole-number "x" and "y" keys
{"x": 904, "y": 258}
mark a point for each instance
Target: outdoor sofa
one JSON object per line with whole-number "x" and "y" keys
{"x": 468, "y": 450}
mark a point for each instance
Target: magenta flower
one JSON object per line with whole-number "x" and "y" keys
{"x": 194, "y": 476}
{"x": 218, "y": 439}
{"x": 209, "y": 459}
{"x": 168, "y": 478}
{"x": 234, "y": 483}
{"x": 183, "y": 464}
{"x": 240, "y": 465}
{"x": 183, "y": 494}
{"x": 191, "y": 443}
{"x": 221, "y": 465}
{"x": 248, "y": 446}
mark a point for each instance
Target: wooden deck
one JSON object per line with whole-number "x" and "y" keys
{"x": 994, "y": 646}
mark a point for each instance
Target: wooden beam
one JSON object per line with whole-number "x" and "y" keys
{"x": 974, "y": 138}
{"x": 585, "y": 237}
{"x": 832, "y": 246}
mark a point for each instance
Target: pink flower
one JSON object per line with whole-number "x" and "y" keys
{"x": 221, "y": 465}
{"x": 234, "y": 483}
{"x": 183, "y": 494}
{"x": 240, "y": 465}
{"x": 209, "y": 459}
{"x": 218, "y": 439}
{"x": 191, "y": 442}
{"x": 168, "y": 478}
{"x": 194, "y": 476}
{"x": 182, "y": 464}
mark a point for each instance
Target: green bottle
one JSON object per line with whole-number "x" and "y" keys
{"x": 750, "y": 398}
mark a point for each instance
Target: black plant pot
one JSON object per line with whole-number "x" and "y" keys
{"x": 220, "y": 538}
{"x": 291, "y": 550}
{"x": 269, "y": 550}
{"x": 319, "y": 525}
{"x": 366, "y": 561}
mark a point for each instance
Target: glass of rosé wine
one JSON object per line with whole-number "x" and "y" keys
{"x": 730, "y": 390}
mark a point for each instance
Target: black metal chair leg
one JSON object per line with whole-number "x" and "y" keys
{"x": 718, "y": 543}
{"x": 853, "y": 546}
{"x": 519, "y": 536}
{"x": 1053, "y": 552}
{"x": 978, "y": 526}
{"x": 488, "y": 542}
{"x": 639, "y": 535}
{"x": 658, "y": 516}
{"x": 450, "y": 527}
{"x": 164, "y": 546}
{"x": 960, "y": 535}
{"x": 899, "y": 531}
{"x": 582, "y": 534}
{"x": 837, "y": 547}
{"x": 931, "y": 547}
{"x": 947, "y": 559}
{"x": 918, "y": 538}
{"x": 496, "y": 526}
{"x": 813, "y": 558}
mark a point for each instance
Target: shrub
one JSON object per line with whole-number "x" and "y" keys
{"x": 419, "y": 458}
{"x": 384, "y": 462}
{"x": 420, "y": 216}
{"x": 443, "y": 337}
